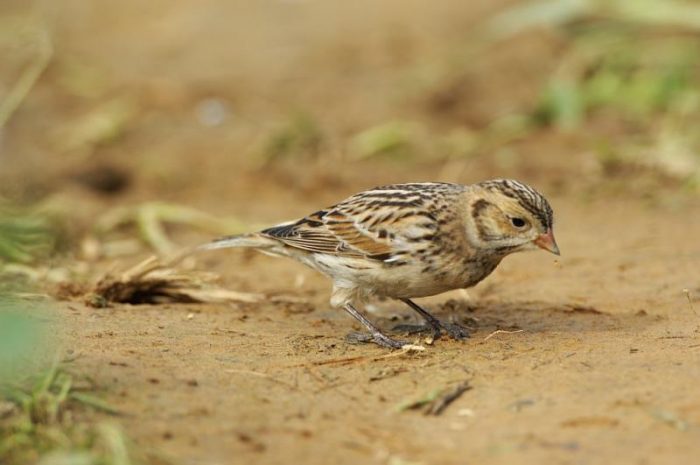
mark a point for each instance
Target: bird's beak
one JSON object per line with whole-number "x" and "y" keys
{"x": 546, "y": 241}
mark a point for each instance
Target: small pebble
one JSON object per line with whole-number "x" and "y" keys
{"x": 466, "y": 412}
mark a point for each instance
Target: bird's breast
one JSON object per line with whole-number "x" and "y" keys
{"x": 426, "y": 279}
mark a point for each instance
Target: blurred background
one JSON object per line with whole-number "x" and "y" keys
{"x": 135, "y": 127}
{"x": 229, "y": 107}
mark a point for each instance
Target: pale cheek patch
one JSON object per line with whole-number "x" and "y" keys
{"x": 489, "y": 229}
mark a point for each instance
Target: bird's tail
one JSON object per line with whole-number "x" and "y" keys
{"x": 252, "y": 240}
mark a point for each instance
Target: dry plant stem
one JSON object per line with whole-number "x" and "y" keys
{"x": 152, "y": 231}
{"x": 27, "y": 80}
{"x": 149, "y": 218}
{"x": 154, "y": 281}
{"x": 502, "y": 331}
{"x": 441, "y": 403}
{"x": 406, "y": 349}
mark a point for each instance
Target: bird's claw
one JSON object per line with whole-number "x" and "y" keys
{"x": 416, "y": 329}
{"x": 376, "y": 338}
{"x": 455, "y": 331}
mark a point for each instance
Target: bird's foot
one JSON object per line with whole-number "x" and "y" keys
{"x": 376, "y": 338}
{"x": 435, "y": 327}
{"x": 418, "y": 329}
{"x": 455, "y": 331}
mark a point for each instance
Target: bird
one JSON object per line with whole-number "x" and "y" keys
{"x": 411, "y": 240}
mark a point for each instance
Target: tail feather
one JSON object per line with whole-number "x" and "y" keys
{"x": 253, "y": 240}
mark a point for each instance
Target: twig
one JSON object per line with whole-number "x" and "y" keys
{"x": 335, "y": 361}
{"x": 440, "y": 404}
{"x": 502, "y": 331}
{"x": 406, "y": 349}
{"x": 435, "y": 402}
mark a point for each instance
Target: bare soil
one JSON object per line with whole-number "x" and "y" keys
{"x": 603, "y": 370}
{"x": 598, "y": 360}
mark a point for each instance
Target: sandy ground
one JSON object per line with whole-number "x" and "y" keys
{"x": 602, "y": 359}
{"x": 604, "y": 369}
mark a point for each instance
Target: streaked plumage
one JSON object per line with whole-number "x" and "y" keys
{"x": 411, "y": 240}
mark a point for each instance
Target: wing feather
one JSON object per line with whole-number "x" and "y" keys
{"x": 379, "y": 224}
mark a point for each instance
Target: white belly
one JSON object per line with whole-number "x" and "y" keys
{"x": 398, "y": 281}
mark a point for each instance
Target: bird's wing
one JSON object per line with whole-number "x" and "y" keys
{"x": 380, "y": 224}
{"x": 309, "y": 234}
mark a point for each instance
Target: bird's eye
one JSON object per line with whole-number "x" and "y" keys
{"x": 518, "y": 222}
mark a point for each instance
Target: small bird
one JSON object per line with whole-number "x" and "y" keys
{"x": 403, "y": 241}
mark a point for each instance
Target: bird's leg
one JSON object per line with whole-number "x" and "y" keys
{"x": 455, "y": 331}
{"x": 375, "y": 335}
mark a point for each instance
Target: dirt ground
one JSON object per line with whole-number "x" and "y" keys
{"x": 599, "y": 358}
{"x": 604, "y": 369}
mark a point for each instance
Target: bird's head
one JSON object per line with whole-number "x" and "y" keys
{"x": 507, "y": 216}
